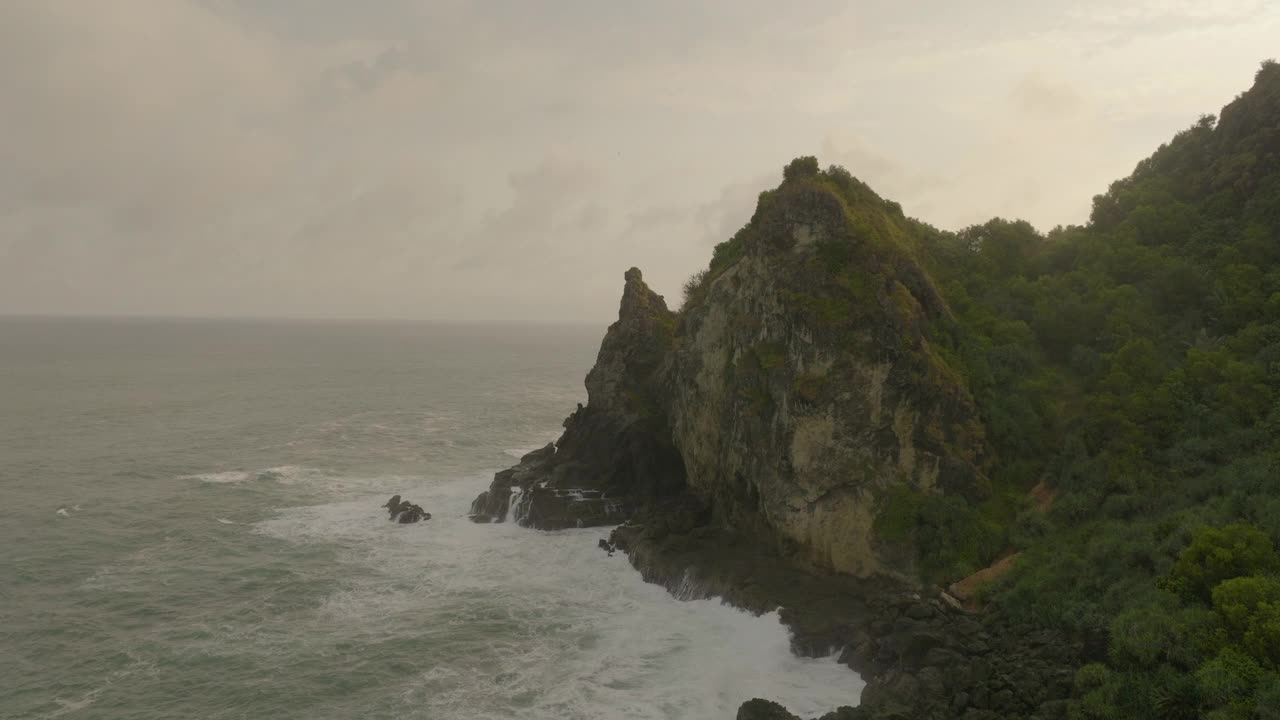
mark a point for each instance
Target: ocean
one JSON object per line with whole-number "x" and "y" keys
{"x": 190, "y": 527}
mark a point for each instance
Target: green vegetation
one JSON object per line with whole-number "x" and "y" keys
{"x": 1132, "y": 364}
{"x": 955, "y": 533}
{"x": 1192, "y": 652}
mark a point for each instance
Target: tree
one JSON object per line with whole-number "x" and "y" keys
{"x": 1218, "y": 554}
{"x": 1250, "y": 609}
{"x": 801, "y": 167}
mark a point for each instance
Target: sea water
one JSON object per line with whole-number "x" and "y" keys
{"x": 190, "y": 527}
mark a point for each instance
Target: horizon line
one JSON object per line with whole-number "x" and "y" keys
{"x": 5, "y": 315}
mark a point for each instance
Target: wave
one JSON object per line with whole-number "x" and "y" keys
{"x": 225, "y": 476}
{"x": 285, "y": 474}
{"x": 540, "y": 625}
{"x": 288, "y": 474}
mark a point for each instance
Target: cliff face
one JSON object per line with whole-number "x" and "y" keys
{"x": 803, "y": 389}
{"x": 615, "y": 452}
{"x": 794, "y": 394}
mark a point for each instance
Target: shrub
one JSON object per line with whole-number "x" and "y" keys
{"x": 1250, "y": 609}
{"x": 801, "y": 167}
{"x": 1228, "y": 678}
{"x": 1218, "y": 554}
{"x": 693, "y": 286}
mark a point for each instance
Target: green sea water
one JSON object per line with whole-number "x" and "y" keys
{"x": 190, "y": 528}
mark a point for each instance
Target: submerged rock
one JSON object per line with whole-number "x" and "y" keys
{"x": 405, "y": 512}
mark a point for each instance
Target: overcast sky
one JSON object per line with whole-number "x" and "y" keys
{"x": 509, "y": 159}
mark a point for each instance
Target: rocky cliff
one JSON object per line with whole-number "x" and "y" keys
{"x": 794, "y": 396}
{"x": 768, "y": 445}
{"x": 616, "y": 452}
{"x": 823, "y": 454}
{"x": 803, "y": 391}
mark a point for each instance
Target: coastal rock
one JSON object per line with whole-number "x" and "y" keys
{"x": 795, "y": 395}
{"x": 804, "y": 392}
{"x": 616, "y": 452}
{"x": 405, "y": 512}
{"x": 764, "y": 444}
{"x": 759, "y": 709}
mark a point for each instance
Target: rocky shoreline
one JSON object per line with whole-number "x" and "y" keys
{"x": 763, "y": 445}
{"x": 920, "y": 656}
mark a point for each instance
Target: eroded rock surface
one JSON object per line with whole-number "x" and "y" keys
{"x": 616, "y": 452}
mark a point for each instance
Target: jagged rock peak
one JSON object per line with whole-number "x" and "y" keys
{"x": 795, "y": 397}
{"x": 616, "y": 451}
{"x": 632, "y": 349}
{"x": 637, "y": 299}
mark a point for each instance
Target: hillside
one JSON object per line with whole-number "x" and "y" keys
{"x": 1131, "y": 363}
{"x": 853, "y": 410}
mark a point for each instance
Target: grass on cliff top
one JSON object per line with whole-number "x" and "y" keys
{"x": 866, "y": 215}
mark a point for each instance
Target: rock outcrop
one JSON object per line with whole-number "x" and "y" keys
{"x": 804, "y": 388}
{"x": 795, "y": 391}
{"x": 752, "y": 446}
{"x": 405, "y": 512}
{"x": 616, "y": 452}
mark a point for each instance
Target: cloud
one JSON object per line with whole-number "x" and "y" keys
{"x": 469, "y": 161}
{"x": 1037, "y": 94}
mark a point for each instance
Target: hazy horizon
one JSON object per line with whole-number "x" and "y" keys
{"x": 450, "y": 161}
{"x": 316, "y": 319}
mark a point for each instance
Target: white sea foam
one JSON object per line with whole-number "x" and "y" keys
{"x": 69, "y": 706}
{"x": 288, "y": 474}
{"x": 284, "y": 474}
{"x": 521, "y": 623}
{"x": 518, "y": 510}
{"x": 225, "y": 476}
{"x": 225, "y": 521}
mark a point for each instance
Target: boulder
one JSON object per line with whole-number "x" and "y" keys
{"x": 758, "y": 709}
{"x": 405, "y": 512}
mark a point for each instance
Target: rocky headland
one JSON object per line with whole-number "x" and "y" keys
{"x": 1003, "y": 474}
{"x": 752, "y": 445}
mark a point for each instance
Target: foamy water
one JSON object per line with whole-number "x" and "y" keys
{"x": 555, "y": 628}
{"x": 193, "y": 528}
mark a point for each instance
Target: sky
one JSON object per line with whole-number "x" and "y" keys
{"x": 508, "y": 160}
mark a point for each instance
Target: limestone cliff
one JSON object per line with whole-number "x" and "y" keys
{"x": 794, "y": 394}
{"x": 803, "y": 388}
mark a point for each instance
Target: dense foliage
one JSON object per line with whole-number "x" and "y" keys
{"x": 1132, "y": 367}
{"x": 1134, "y": 364}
